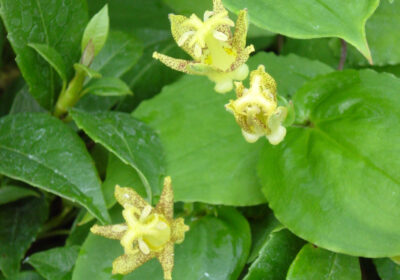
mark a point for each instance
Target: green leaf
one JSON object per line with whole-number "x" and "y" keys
{"x": 119, "y": 55}
{"x": 96, "y": 31}
{"x": 88, "y": 71}
{"x": 334, "y": 181}
{"x": 275, "y": 256}
{"x": 107, "y": 86}
{"x": 309, "y": 19}
{"x": 43, "y": 152}
{"x": 28, "y": 275}
{"x": 56, "y": 23}
{"x": 316, "y": 263}
{"x": 130, "y": 140}
{"x": 207, "y": 157}
{"x": 19, "y": 224}
{"x": 53, "y": 58}
{"x": 215, "y": 248}
{"x": 12, "y": 193}
{"x": 387, "y": 269}
{"x": 25, "y": 103}
{"x": 55, "y": 264}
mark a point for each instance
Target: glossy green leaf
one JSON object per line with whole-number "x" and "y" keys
{"x": 207, "y": 156}
{"x": 19, "y": 224}
{"x": 107, "y": 86}
{"x": 130, "y": 140}
{"x": 309, "y": 19}
{"x": 316, "y": 263}
{"x": 96, "y": 31}
{"x": 214, "y": 248}
{"x": 275, "y": 256}
{"x": 387, "y": 269}
{"x": 342, "y": 159}
{"x": 56, "y": 263}
{"x": 12, "y": 193}
{"x": 57, "y": 23}
{"x": 118, "y": 56}
{"x": 43, "y": 152}
{"x": 53, "y": 58}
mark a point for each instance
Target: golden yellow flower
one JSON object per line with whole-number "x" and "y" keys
{"x": 216, "y": 53}
{"x": 256, "y": 109}
{"x": 148, "y": 232}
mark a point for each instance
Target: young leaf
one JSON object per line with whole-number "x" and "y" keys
{"x": 130, "y": 140}
{"x": 53, "y": 58}
{"x": 55, "y": 264}
{"x": 20, "y": 222}
{"x": 43, "y": 152}
{"x": 275, "y": 256}
{"x": 56, "y": 23}
{"x": 97, "y": 31}
{"x": 316, "y": 263}
{"x": 198, "y": 135}
{"x": 308, "y": 19}
{"x": 107, "y": 86}
{"x": 342, "y": 159}
{"x": 215, "y": 247}
{"x": 88, "y": 71}
{"x": 12, "y": 193}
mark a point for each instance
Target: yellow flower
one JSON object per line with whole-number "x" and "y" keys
{"x": 216, "y": 53}
{"x": 148, "y": 232}
{"x": 256, "y": 109}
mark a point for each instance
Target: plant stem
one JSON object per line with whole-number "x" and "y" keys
{"x": 343, "y": 55}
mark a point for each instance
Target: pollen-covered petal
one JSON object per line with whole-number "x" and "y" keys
{"x": 240, "y": 33}
{"x": 242, "y": 57}
{"x": 267, "y": 81}
{"x": 166, "y": 202}
{"x": 127, "y": 197}
{"x": 178, "y": 29}
{"x": 173, "y": 63}
{"x": 178, "y": 230}
{"x": 218, "y": 7}
{"x": 128, "y": 263}
{"x": 166, "y": 259}
{"x": 111, "y": 231}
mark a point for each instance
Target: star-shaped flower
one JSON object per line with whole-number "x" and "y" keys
{"x": 216, "y": 53}
{"x": 148, "y": 232}
{"x": 256, "y": 109}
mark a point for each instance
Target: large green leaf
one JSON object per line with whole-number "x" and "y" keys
{"x": 130, "y": 140}
{"x": 57, "y": 23}
{"x": 275, "y": 256}
{"x": 28, "y": 275}
{"x": 19, "y": 224}
{"x": 214, "y": 248}
{"x": 316, "y": 263}
{"x": 334, "y": 181}
{"x": 207, "y": 157}
{"x": 40, "y": 150}
{"x": 387, "y": 269}
{"x": 306, "y": 19}
{"x": 55, "y": 264}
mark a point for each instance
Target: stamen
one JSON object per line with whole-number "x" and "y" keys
{"x": 207, "y": 15}
{"x": 145, "y": 213}
{"x": 197, "y": 50}
{"x": 184, "y": 37}
{"x": 143, "y": 246}
{"x": 220, "y": 36}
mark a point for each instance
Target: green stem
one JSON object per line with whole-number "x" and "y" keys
{"x": 69, "y": 97}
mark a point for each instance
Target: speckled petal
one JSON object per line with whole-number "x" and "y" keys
{"x": 178, "y": 29}
{"x": 166, "y": 203}
{"x": 242, "y": 57}
{"x": 127, "y": 263}
{"x": 178, "y": 230}
{"x": 174, "y": 63}
{"x": 127, "y": 197}
{"x": 218, "y": 7}
{"x": 267, "y": 81}
{"x": 111, "y": 231}
{"x": 240, "y": 34}
{"x": 166, "y": 259}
